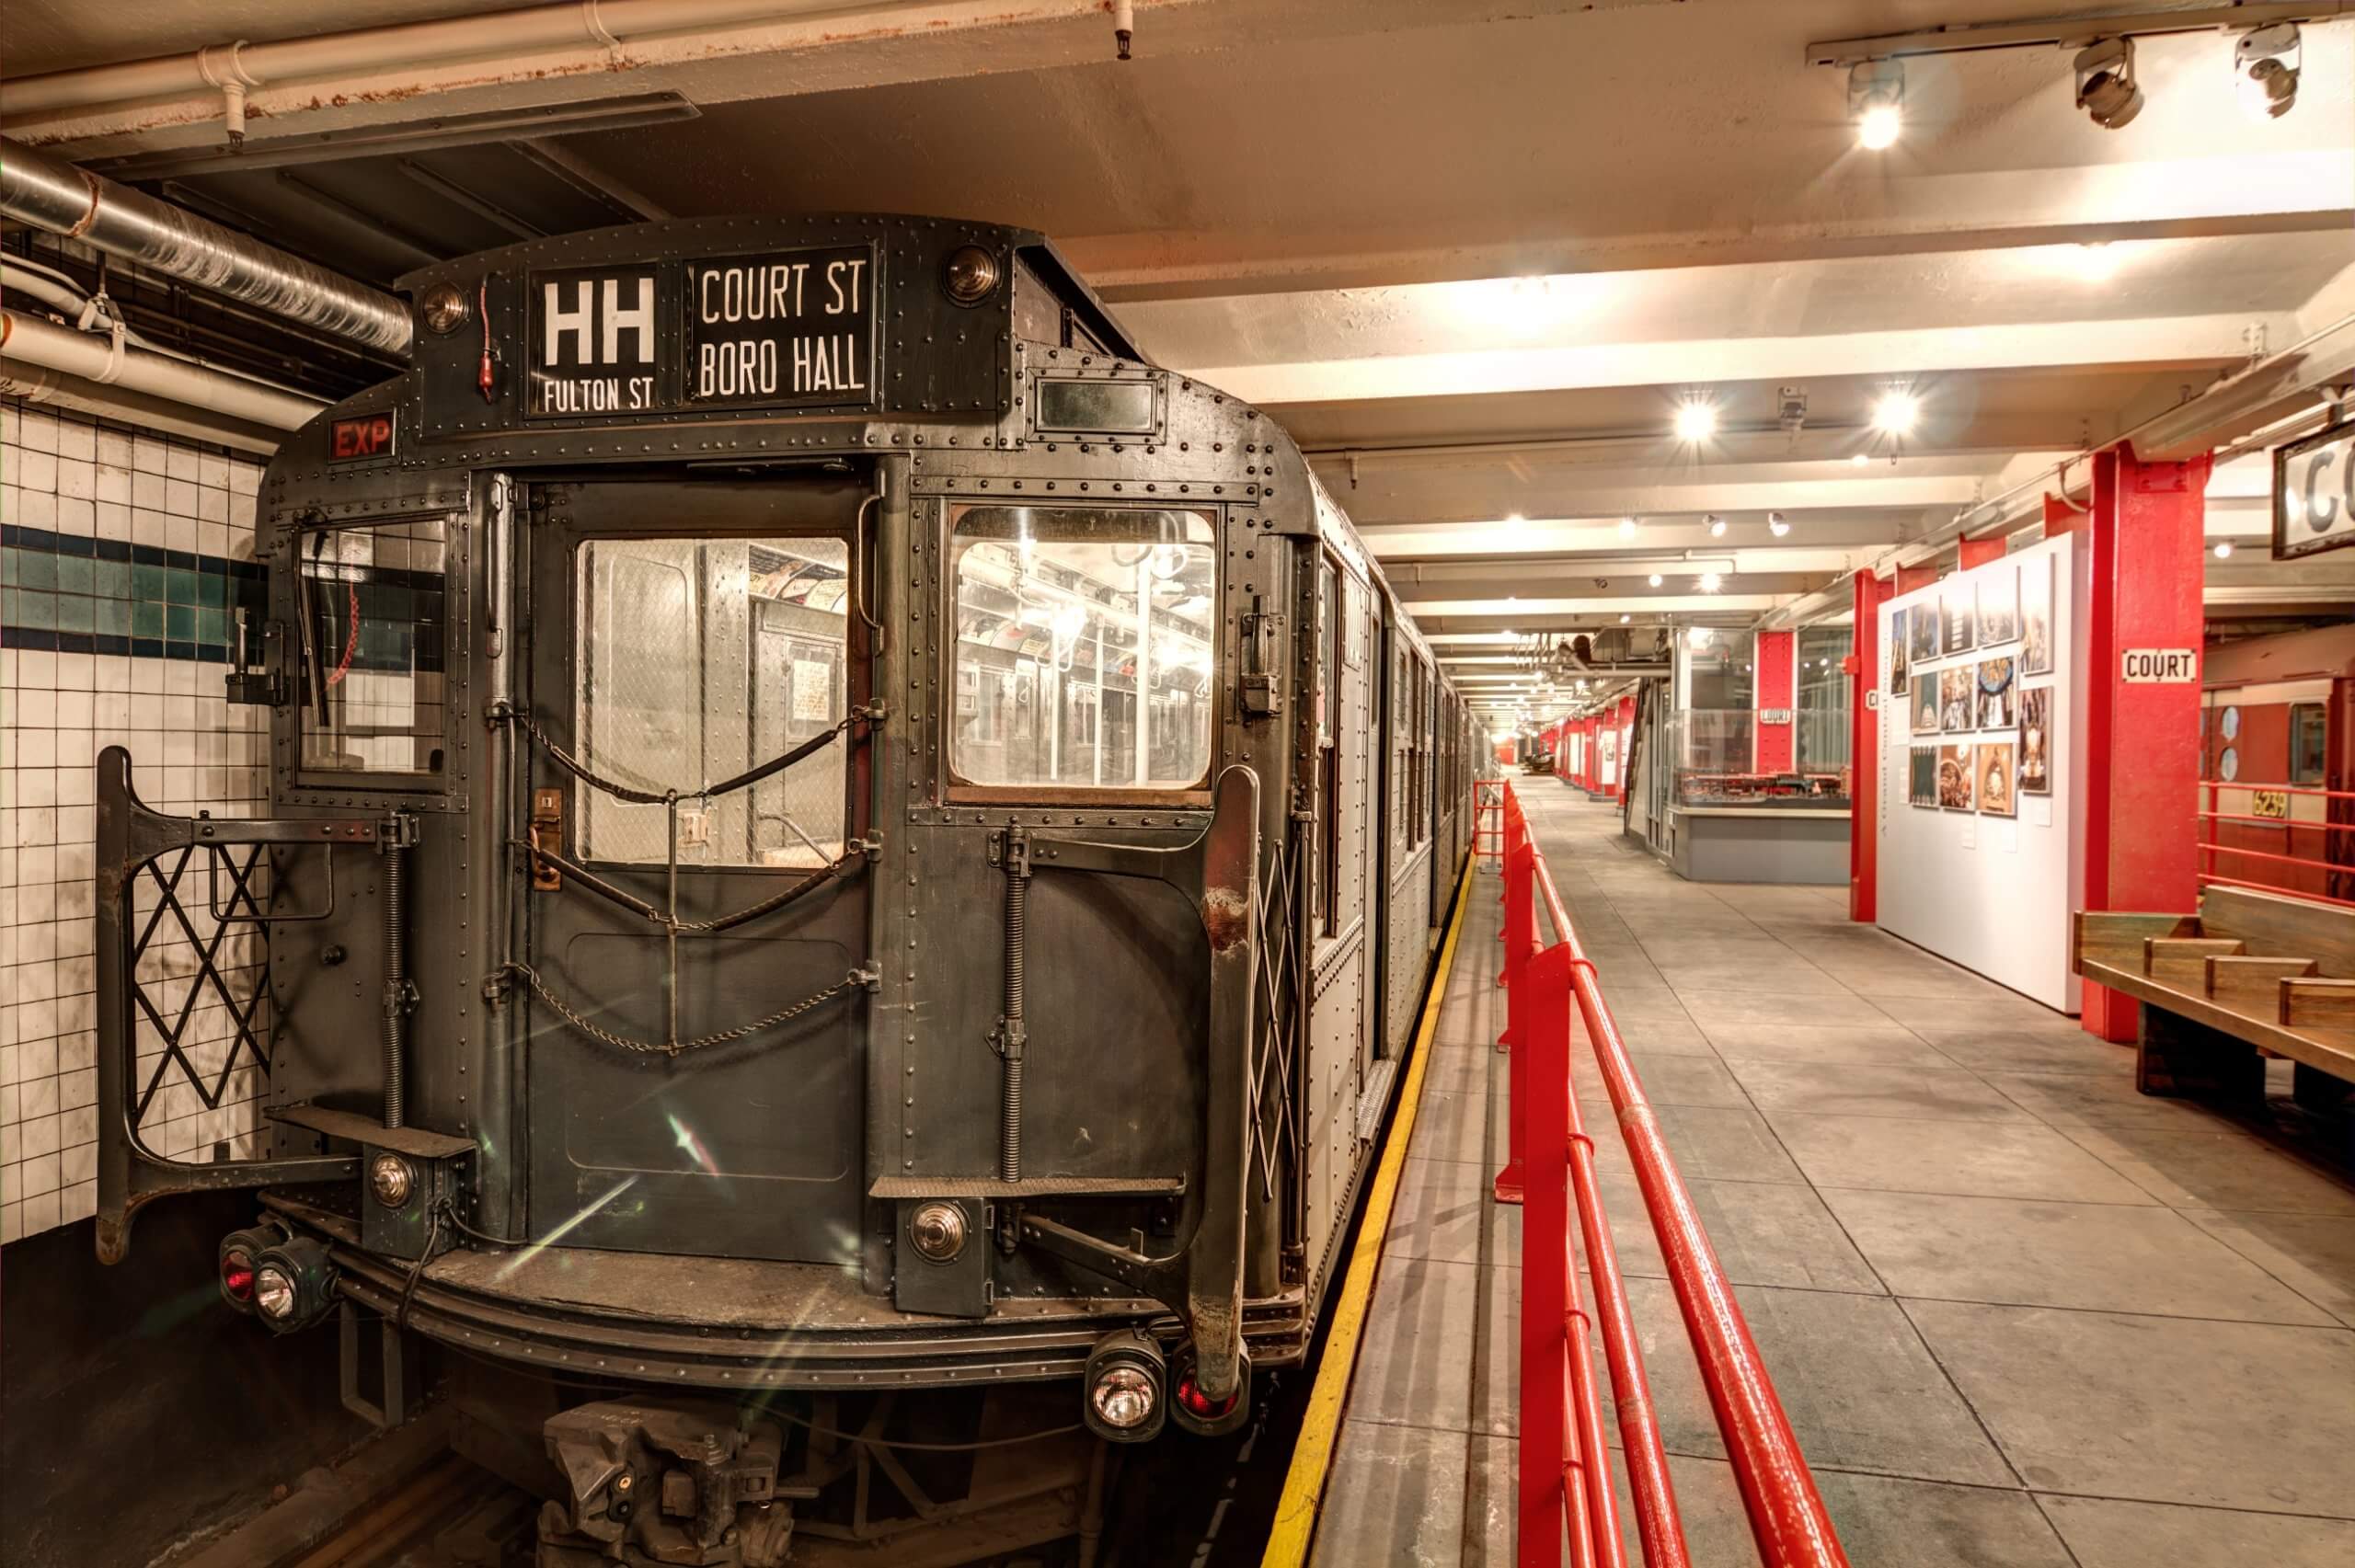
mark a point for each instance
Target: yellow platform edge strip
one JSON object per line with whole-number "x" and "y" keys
{"x": 1312, "y": 1455}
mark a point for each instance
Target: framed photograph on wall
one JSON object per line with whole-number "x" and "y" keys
{"x": 1955, "y": 781}
{"x": 1922, "y": 777}
{"x": 2036, "y": 741}
{"x": 1958, "y": 701}
{"x": 1999, "y": 604}
{"x": 2036, "y": 616}
{"x": 1924, "y": 630}
{"x": 1900, "y": 655}
{"x": 1958, "y": 616}
{"x": 1995, "y": 779}
{"x": 1925, "y": 702}
{"x": 1997, "y": 680}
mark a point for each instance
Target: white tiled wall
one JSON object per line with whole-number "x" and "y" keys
{"x": 191, "y": 751}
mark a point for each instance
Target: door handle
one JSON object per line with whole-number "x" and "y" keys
{"x": 548, "y": 837}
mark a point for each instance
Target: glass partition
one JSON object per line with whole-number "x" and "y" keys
{"x": 1825, "y": 687}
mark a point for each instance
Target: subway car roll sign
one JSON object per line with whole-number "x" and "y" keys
{"x": 785, "y": 329}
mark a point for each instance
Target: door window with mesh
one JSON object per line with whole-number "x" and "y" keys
{"x": 700, "y": 659}
{"x": 1083, "y": 647}
{"x": 372, "y": 636}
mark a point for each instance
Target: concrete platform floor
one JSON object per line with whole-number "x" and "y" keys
{"x": 2020, "y": 1315}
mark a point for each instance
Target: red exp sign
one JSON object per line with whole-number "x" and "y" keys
{"x": 370, "y": 435}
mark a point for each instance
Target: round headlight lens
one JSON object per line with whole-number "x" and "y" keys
{"x": 972, "y": 274}
{"x": 273, "y": 1291}
{"x": 238, "y": 1277}
{"x": 443, "y": 308}
{"x": 390, "y": 1179}
{"x": 1123, "y": 1398}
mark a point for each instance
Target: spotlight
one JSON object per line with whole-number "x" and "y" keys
{"x": 1716, "y": 526}
{"x": 2224, "y": 549}
{"x": 1858, "y": 460}
{"x": 1696, "y": 419}
{"x": 1896, "y": 412}
{"x": 1876, "y": 103}
{"x": 1777, "y": 525}
{"x": 1626, "y": 528}
{"x": 1709, "y": 582}
{"x": 1624, "y": 619}
{"x": 1655, "y": 579}
{"x": 2107, "y": 90}
{"x": 2266, "y": 62}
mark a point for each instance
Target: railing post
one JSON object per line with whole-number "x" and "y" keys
{"x": 1541, "y": 1065}
{"x": 1521, "y": 945}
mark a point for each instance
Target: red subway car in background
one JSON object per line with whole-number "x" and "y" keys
{"x": 2277, "y": 736}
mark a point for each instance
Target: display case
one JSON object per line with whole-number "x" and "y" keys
{"x": 1715, "y": 748}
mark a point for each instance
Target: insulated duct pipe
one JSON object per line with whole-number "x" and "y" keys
{"x": 36, "y": 385}
{"x": 96, "y": 358}
{"x": 49, "y": 193}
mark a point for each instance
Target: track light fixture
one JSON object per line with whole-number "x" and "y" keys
{"x": 1716, "y": 526}
{"x": 1655, "y": 579}
{"x": 1709, "y": 582}
{"x": 1897, "y": 412}
{"x": 1777, "y": 525}
{"x": 1696, "y": 419}
{"x": 2107, "y": 90}
{"x": 2266, "y": 62}
{"x": 1876, "y": 103}
{"x": 1626, "y": 528}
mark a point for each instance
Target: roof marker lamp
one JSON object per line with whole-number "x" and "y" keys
{"x": 2107, "y": 88}
{"x": 1876, "y": 103}
{"x": 1696, "y": 420}
{"x": 2265, "y": 63}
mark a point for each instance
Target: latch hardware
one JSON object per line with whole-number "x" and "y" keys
{"x": 547, "y": 837}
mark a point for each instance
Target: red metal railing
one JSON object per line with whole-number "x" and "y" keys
{"x": 1565, "y": 1479}
{"x": 1487, "y": 823}
{"x": 2327, "y": 877}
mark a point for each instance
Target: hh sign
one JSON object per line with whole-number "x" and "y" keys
{"x": 2160, "y": 667}
{"x": 2313, "y": 493}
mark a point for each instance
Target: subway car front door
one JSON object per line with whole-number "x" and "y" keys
{"x": 694, "y": 795}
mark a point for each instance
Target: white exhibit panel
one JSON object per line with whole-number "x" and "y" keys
{"x": 1980, "y": 816}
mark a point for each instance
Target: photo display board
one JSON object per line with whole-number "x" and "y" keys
{"x": 1979, "y": 820}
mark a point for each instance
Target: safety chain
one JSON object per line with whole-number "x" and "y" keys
{"x": 502, "y": 712}
{"x": 857, "y": 979}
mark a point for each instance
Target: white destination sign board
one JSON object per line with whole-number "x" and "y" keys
{"x": 2160, "y": 666}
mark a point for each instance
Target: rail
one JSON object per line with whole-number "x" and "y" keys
{"x": 2323, "y": 818}
{"x": 1487, "y": 823}
{"x": 1565, "y": 1483}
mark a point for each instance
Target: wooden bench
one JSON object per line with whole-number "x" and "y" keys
{"x": 2252, "y": 975}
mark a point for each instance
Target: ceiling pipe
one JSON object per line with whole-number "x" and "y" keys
{"x": 596, "y": 30}
{"x": 58, "y": 390}
{"x": 49, "y": 193}
{"x": 98, "y": 359}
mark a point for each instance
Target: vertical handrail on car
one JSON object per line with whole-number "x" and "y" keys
{"x": 1561, "y": 1488}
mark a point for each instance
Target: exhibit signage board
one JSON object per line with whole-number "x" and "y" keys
{"x": 1980, "y": 821}
{"x": 2313, "y": 492}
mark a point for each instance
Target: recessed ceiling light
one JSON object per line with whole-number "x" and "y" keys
{"x": 1897, "y": 412}
{"x": 1696, "y": 419}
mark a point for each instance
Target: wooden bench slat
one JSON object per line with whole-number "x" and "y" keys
{"x": 2187, "y": 957}
{"x": 2309, "y": 1005}
{"x": 2242, "y": 979}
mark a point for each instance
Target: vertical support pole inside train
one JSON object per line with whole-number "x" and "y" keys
{"x": 1864, "y": 751}
{"x": 2143, "y": 538}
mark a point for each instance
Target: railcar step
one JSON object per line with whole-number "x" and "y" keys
{"x": 1030, "y": 1187}
{"x": 422, "y": 1143}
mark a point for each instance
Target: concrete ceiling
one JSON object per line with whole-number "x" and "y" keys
{"x": 1477, "y": 255}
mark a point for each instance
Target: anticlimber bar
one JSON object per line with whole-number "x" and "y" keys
{"x": 1564, "y": 1480}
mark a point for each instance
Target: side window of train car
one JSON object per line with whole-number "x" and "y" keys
{"x": 1329, "y": 717}
{"x": 370, "y": 636}
{"x": 2309, "y": 744}
{"x": 1086, "y": 648}
{"x": 697, "y": 660}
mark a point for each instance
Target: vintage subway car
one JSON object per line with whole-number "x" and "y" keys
{"x": 2277, "y": 736}
{"x": 837, "y": 839}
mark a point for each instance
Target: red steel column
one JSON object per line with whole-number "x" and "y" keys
{"x": 2143, "y": 539}
{"x": 1774, "y": 688}
{"x": 1864, "y": 751}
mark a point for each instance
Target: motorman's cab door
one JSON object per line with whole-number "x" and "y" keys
{"x": 696, "y": 913}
